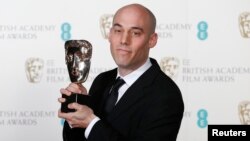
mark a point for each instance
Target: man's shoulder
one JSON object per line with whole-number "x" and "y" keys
{"x": 110, "y": 74}
{"x": 102, "y": 80}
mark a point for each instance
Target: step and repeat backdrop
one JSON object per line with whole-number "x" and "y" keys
{"x": 204, "y": 46}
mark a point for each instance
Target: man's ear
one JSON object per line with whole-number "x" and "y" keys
{"x": 153, "y": 40}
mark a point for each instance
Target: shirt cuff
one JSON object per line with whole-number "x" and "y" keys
{"x": 90, "y": 126}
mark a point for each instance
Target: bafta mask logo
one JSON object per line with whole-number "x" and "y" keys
{"x": 105, "y": 24}
{"x": 170, "y": 66}
{"x": 34, "y": 69}
{"x": 244, "y": 112}
{"x": 244, "y": 23}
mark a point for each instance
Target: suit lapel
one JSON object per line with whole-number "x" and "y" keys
{"x": 109, "y": 81}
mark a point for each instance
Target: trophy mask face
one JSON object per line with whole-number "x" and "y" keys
{"x": 78, "y": 55}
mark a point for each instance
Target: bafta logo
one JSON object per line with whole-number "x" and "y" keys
{"x": 244, "y": 24}
{"x": 244, "y": 112}
{"x": 34, "y": 69}
{"x": 105, "y": 24}
{"x": 170, "y": 66}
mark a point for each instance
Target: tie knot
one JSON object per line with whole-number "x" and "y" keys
{"x": 118, "y": 83}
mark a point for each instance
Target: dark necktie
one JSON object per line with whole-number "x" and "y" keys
{"x": 113, "y": 95}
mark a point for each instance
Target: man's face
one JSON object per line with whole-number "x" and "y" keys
{"x": 75, "y": 64}
{"x": 130, "y": 38}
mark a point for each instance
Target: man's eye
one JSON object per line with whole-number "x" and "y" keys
{"x": 117, "y": 30}
{"x": 135, "y": 33}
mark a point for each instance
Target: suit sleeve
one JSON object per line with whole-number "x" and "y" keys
{"x": 73, "y": 134}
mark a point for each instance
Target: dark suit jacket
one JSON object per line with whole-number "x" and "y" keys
{"x": 150, "y": 110}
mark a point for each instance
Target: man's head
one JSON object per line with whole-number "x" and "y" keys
{"x": 147, "y": 16}
{"x": 131, "y": 36}
{"x": 77, "y": 55}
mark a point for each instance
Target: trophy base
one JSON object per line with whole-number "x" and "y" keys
{"x": 78, "y": 98}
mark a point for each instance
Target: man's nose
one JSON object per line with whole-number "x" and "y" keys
{"x": 125, "y": 39}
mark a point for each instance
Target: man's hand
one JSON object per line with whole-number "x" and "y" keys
{"x": 83, "y": 114}
{"x": 74, "y": 88}
{"x": 81, "y": 118}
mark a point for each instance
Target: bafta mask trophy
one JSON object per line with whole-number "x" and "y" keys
{"x": 77, "y": 56}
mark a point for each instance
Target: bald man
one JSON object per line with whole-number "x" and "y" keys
{"x": 149, "y": 105}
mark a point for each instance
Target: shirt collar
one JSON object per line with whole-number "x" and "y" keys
{"x": 133, "y": 76}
